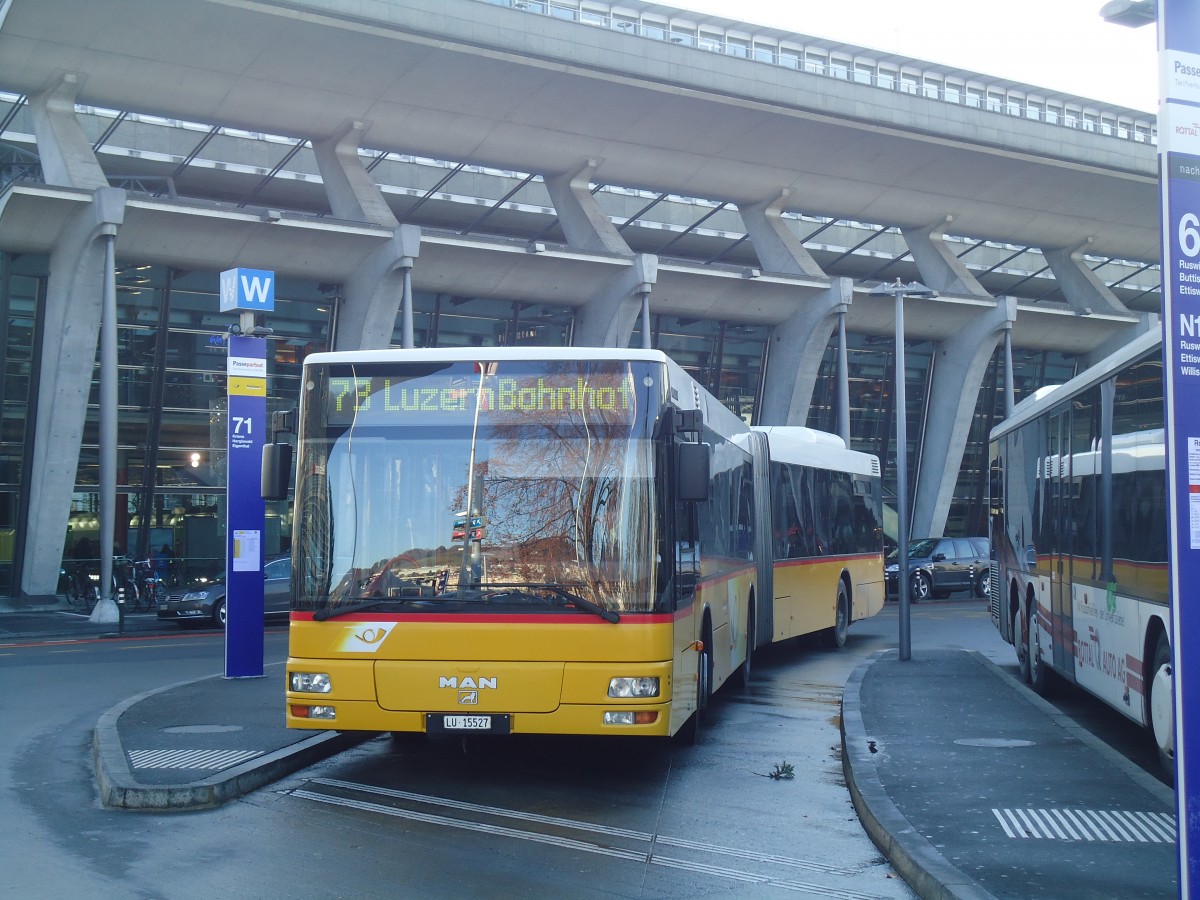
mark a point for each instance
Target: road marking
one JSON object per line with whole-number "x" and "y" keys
{"x": 189, "y": 759}
{"x": 589, "y": 827}
{"x": 1088, "y": 825}
{"x": 581, "y": 844}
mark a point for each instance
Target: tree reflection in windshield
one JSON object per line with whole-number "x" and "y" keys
{"x": 562, "y": 493}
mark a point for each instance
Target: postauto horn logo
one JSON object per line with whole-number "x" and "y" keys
{"x": 365, "y": 638}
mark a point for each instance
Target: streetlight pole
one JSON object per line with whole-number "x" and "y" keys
{"x": 898, "y": 291}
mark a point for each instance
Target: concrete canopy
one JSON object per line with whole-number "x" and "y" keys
{"x": 469, "y": 81}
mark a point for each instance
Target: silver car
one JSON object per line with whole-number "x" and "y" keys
{"x": 204, "y": 604}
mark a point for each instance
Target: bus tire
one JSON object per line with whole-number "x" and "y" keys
{"x": 1039, "y": 676}
{"x": 841, "y": 623}
{"x": 742, "y": 675}
{"x": 1021, "y": 643}
{"x": 1159, "y": 706}
{"x": 689, "y": 734}
{"x": 704, "y": 681}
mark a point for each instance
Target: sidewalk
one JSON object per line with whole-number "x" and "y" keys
{"x": 190, "y": 745}
{"x": 202, "y": 743}
{"x": 975, "y": 787}
{"x": 970, "y": 784}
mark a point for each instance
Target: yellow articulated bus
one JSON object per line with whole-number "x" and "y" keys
{"x": 527, "y": 540}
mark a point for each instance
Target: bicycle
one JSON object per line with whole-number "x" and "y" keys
{"x": 82, "y": 592}
{"x": 149, "y": 583}
{"x": 123, "y": 580}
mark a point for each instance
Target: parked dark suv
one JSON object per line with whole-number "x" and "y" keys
{"x": 940, "y": 566}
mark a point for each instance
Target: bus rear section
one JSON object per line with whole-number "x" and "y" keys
{"x": 826, "y": 528}
{"x": 541, "y": 545}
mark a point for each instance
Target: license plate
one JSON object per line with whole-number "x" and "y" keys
{"x": 467, "y": 723}
{"x": 441, "y": 723}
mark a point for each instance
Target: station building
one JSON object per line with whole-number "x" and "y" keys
{"x": 522, "y": 172}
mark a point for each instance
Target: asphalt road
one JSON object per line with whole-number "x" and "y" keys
{"x": 526, "y": 816}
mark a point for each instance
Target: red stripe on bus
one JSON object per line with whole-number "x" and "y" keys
{"x": 567, "y": 618}
{"x": 818, "y": 560}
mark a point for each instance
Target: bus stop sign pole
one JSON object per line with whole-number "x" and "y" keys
{"x": 1179, "y": 183}
{"x": 246, "y": 291}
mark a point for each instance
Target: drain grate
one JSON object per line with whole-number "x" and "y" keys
{"x": 189, "y": 759}
{"x": 1088, "y": 825}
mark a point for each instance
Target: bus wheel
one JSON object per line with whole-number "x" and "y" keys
{"x": 1039, "y": 678}
{"x": 1021, "y": 643}
{"x": 704, "y": 678}
{"x": 689, "y": 734}
{"x": 841, "y": 624}
{"x": 743, "y": 671}
{"x": 1161, "y": 714}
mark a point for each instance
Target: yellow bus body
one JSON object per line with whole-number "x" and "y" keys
{"x": 806, "y": 592}
{"x": 549, "y": 673}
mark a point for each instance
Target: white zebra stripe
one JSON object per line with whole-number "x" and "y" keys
{"x": 1088, "y": 825}
{"x": 189, "y": 759}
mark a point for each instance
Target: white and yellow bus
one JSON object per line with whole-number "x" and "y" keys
{"x": 536, "y": 540}
{"x": 1079, "y": 581}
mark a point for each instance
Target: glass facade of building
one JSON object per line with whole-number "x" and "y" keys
{"x": 172, "y": 396}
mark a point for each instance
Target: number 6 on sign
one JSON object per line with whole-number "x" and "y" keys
{"x": 1189, "y": 234}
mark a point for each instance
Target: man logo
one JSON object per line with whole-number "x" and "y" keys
{"x": 479, "y": 684}
{"x": 468, "y": 698}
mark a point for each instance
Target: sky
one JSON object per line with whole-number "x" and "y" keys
{"x": 1058, "y": 44}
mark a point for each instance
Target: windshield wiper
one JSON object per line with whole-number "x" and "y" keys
{"x": 603, "y": 612}
{"x": 330, "y": 612}
{"x": 559, "y": 590}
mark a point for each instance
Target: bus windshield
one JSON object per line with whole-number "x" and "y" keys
{"x": 452, "y": 486}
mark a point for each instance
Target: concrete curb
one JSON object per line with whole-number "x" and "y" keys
{"x": 925, "y": 870}
{"x": 119, "y": 789}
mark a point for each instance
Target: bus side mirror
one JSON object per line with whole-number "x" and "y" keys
{"x": 692, "y": 471}
{"x": 276, "y": 471}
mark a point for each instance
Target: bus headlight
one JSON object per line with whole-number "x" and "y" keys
{"x": 314, "y": 712}
{"x": 631, "y": 717}
{"x": 311, "y": 682}
{"x": 633, "y": 687}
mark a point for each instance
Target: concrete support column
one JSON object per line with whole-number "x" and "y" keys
{"x": 940, "y": 269}
{"x": 797, "y": 347}
{"x": 378, "y": 291}
{"x": 607, "y": 320}
{"x": 1010, "y": 384}
{"x": 958, "y": 372}
{"x": 65, "y": 152}
{"x": 352, "y": 192}
{"x": 843, "y": 393}
{"x": 585, "y": 225}
{"x": 778, "y": 249}
{"x": 74, "y": 300}
{"x": 1085, "y": 292}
